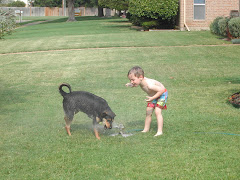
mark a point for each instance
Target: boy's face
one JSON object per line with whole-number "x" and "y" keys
{"x": 135, "y": 81}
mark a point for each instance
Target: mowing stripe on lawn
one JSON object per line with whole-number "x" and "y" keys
{"x": 78, "y": 49}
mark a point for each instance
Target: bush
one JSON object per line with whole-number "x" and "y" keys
{"x": 234, "y": 27}
{"x": 214, "y": 28}
{"x": 158, "y": 12}
{"x": 150, "y": 24}
{"x": 7, "y": 22}
{"x": 154, "y": 9}
{"x": 223, "y": 26}
{"x": 134, "y": 19}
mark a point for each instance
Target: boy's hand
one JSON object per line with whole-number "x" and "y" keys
{"x": 149, "y": 99}
{"x": 129, "y": 85}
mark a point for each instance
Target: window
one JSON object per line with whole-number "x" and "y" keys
{"x": 199, "y": 9}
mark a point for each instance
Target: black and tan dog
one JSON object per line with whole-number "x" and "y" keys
{"x": 95, "y": 107}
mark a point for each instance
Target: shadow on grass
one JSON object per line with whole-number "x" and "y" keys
{"x": 234, "y": 80}
{"x": 13, "y": 99}
{"x": 85, "y": 18}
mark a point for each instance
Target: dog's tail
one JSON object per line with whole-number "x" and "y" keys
{"x": 61, "y": 91}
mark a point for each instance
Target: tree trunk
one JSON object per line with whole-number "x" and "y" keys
{"x": 100, "y": 11}
{"x": 71, "y": 12}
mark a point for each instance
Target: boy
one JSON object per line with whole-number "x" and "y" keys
{"x": 157, "y": 96}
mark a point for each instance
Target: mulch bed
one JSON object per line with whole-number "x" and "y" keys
{"x": 235, "y": 99}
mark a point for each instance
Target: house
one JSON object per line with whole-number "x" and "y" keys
{"x": 198, "y": 14}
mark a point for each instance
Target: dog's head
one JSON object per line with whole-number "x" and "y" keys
{"x": 108, "y": 117}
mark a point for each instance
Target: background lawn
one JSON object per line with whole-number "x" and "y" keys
{"x": 199, "y": 70}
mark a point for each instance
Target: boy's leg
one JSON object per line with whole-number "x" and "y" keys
{"x": 159, "y": 116}
{"x": 148, "y": 119}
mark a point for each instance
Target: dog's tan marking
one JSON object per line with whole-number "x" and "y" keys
{"x": 96, "y": 133}
{"x": 107, "y": 123}
{"x": 67, "y": 127}
{"x": 98, "y": 119}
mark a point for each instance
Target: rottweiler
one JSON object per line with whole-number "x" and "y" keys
{"x": 94, "y": 106}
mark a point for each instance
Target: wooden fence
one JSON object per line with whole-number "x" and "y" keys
{"x": 55, "y": 11}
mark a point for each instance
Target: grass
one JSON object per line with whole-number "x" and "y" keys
{"x": 97, "y": 54}
{"x": 92, "y": 32}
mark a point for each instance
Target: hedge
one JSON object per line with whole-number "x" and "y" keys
{"x": 155, "y": 9}
{"x": 159, "y": 12}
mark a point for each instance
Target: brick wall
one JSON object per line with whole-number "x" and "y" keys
{"x": 213, "y": 9}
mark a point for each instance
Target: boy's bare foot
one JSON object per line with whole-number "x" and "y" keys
{"x": 144, "y": 131}
{"x": 158, "y": 134}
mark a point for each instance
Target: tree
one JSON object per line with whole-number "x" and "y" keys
{"x": 47, "y": 3}
{"x": 71, "y": 12}
{"x": 100, "y": 9}
{"x": 16, "y": 4}
{"x": 115, "y": 4}
{"x": 86, "y": 3}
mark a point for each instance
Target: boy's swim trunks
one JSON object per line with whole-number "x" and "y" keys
{"x": 160, "y": 102}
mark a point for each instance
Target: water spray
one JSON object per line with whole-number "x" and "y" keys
{"x": 120, "y": 128}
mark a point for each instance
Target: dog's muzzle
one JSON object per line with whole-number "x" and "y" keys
{"x": 108, "y": 125}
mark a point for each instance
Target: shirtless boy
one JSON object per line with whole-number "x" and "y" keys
{"x": 157, "y": 96}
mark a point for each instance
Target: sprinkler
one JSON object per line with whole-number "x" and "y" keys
{"x": 121, "y": 127}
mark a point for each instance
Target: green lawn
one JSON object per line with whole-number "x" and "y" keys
{"x": 94, "y": 54}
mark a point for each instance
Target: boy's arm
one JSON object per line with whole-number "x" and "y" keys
{"x": 159, "y": 89}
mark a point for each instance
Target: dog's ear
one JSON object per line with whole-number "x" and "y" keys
{"x": 108, "y": 113}
{"x": 113, "y": 114}
{"x": 104, "y": 114}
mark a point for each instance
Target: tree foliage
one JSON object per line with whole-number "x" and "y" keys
{"x": 86, "y": 3}
{"x": 16, "y": 4}
{"x": 114, "y": 4}
{"x": 47, "y": 3}
{"x": 58, "y": 3}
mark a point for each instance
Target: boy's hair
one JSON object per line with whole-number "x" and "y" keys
{"x": 137, "y": 71}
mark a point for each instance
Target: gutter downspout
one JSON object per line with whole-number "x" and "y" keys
{"x": 184, "y": 16}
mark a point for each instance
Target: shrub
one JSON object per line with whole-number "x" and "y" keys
{"x": 150, "y": 24}
{"x": 234, "y": 27}
{"x": 214, "y": 28}
{"x": 223, "y": 26}
{"x": 134, "y": 19}
{"x": 7, "y": 22}
{"x": 155, "y": 11}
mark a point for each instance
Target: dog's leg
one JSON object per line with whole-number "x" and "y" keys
{"x": 95, "y": 128}
{"x": 96, "y": 133}
{"x": 68, "y": 123}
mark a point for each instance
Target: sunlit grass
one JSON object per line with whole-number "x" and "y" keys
{"x": 34, "y": 143}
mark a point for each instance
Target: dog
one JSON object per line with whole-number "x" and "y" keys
{"x": 95, "y": 107}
